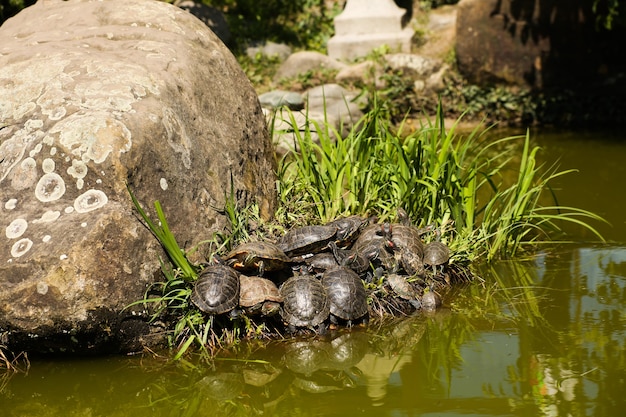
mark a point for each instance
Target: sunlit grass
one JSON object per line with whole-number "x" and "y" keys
{"x": 436, "y": 175}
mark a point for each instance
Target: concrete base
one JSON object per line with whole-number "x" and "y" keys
{"x": 354, "y": 46}
{"x": 365, "y": 25}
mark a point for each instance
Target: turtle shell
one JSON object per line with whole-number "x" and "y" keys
{"x": 407, "y": 238}
{"x": 436, "y": 253}
{"x": 354, "y": 260}
{"x": 257, "y": 256}
{"x": 347, "y": 228}
{"x": 258, "y": 294}
{"x": 321, "y": 261}
{"x": 346, "y": 293}
{"x": 217, "y": 289}
{"x": 372, "y": 243}
{"x": 307, "y": 239}
{"x": 410, "y": 261}
{"x": 404, "y": 289}
{"x": 430, "y": 300}
{"x": 305, "y": 303}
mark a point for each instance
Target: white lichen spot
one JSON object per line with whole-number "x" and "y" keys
{"x": 53, "y": 151}
{"x": 46, "y": 238}
{"x": 69, "y": 209}
{"x": 25, "y": 174}
{"x": 78, "y": 169}
{"x": 93, "y": 136}
{"x": 21, "y": 247}
{"x": 83, "y": 224}
{"x": 35, "y": 150}
{"x": 48, "y": 140}
{"x": 48, "y": 216}
{"x": 63, "y": 257}
{"x": 16, "y": 228}
{"x": 90, "y": 200}
{"x": 50, "y": 187}
{"x": 48, "y": 165}
{"x": 10, "y": 204}
{"x": 80, "y": 183}
{"x": 98, "y": 181}
{"x": 33, "y": 124}
{"x": 163, "y": 183}
{"x": 42, "y": 288}
{"x": 57, "y": 113}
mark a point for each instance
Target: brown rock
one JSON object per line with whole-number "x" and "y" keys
{"x": 486, "y": 52}
{"x": 93, "y": 96}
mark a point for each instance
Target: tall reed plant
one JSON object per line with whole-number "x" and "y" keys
{"x": 435, "y": 174}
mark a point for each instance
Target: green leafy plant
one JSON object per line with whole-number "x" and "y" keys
{"x": 435, "y": 174}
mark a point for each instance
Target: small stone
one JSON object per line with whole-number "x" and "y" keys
{"x": 279, "y": 98}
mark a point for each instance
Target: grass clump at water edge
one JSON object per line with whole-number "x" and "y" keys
{"x": 456, "y": 182}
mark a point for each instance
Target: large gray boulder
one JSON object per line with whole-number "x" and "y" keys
{"x": 94, "y": 96}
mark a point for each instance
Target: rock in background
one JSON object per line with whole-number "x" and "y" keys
{"x": 93, "y": 96}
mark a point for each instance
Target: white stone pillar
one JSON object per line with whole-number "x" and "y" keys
{"x": 368, "y": 24}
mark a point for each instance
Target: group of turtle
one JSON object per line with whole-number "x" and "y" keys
{"x": 321, "y": 273}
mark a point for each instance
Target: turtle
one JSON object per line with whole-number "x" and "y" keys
{"x": 307, "y": 239}
{"x": 259, "y": 295}
{"x": 305, "y": 303}
{"x": 372, "y": 244}
{"x": 346, "y": 294}
{"x": 407, "y": 238}
{"x": 408, "y": 258}
{"x": 436, "y": 253}
{"x": 430, "y": 300}
{"x": 404, "y": 289}
{"x": 347, "y": 228}
{"x": 216, "y": 290}
{"x": 350, "y": 258}
{"x": 321, "y": 261}
{"x": 258, "y": 257}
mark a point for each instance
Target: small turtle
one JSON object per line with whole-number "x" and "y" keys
{"x": 305, "y": 303}
{"x": 258, "y": 257}
{"x": 436, "y": 253}
{"x": 346, "y": 294}
{"x": 347, "y": 228}
{"x": 404, "y": 289}
{"x": 372, "y": 244}
{"x": 259, "y": 295}
{"x": 350, "y": 258}
{"x": 307, "y": 239}
{"x": 430, "y": 300}
{"x": 217, "y": 289}
{"x": 320, "y": 262}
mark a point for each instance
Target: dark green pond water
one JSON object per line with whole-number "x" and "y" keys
{"x": 548, "y": 341}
